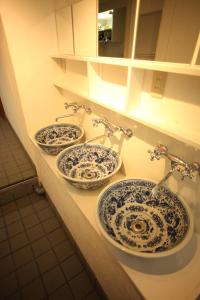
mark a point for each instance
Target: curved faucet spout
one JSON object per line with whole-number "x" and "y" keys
{"x": 94, "y": 139}
{"x": 63, "y": 116}
{"x": 156, "y": 188}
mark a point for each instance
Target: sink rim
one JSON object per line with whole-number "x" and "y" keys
{"x": 85, "y": 180}
{"x": 59, "y": 125}
{"x": 166, "y": 253}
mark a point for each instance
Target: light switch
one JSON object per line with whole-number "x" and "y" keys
{"x": 158, "y": 84}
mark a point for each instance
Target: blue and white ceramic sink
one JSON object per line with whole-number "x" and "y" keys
{"x": 56, "y": 137}
{"x": 141, "y": 226}
{"x": 88, "y": 166}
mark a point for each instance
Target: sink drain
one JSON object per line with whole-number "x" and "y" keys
{"x": 139, "y": 226}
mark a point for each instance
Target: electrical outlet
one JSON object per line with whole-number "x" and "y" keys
{"x": 158, "y": 84}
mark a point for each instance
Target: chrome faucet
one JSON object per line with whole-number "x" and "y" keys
{"x": 75, "y": 107}
{"x": 177, "y": 164}
{"x": 110, "y": 129}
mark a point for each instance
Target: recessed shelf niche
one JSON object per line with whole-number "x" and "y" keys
{"x": 74, "y": 77}
{"x": 108, "y": 85}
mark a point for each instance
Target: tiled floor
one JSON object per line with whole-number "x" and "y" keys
{"x": 37, "y": 258}
{"x": 15, "y": 165}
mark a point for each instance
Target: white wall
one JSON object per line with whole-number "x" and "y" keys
{"x": 28, "y": 38}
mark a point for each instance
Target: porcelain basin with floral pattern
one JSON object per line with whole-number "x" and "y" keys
{"x": 88, "y": 166}
{"x": 143, "y": 226}
{"x": 56, "y": 137}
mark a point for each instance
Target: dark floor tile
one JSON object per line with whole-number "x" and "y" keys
{"x": 63, "y": 250}
{"x": 4, "y": 182}
{"x": 28, "y": 173}
{"x": 15, "y": 296}
{"x": 4, "y": 249}
{"x": 26, "y": 210}
{"x": 27, "y": 273}
{"x": 6, "y": 197}
{"x": 45, "y": 214}
{"x": 6, "y": 158}
{"x": 71, "y": 267}
{"x": 57, "y": 236}
{"x": 2, "y": 222}
{"x": 47, "y": 261}
{"x": 23, "y": 256}
{"x": 12, "y": 217}
{"x": 6, "y": 266}
{"x": 15, "y": 178}
{"x": 22, "y": 191}
{"x": 34, "y": 291}
{"x": 21, "y": 161}
{"x": 93, "y": 296}
{"x": 3, "y": 234}
{"x": 62, "y": 293}
{"x": 35, "y": 198}
{"x": 25, "y": 167}
{"x": 81, "y": 285}
{"x": 53, "y": 279}
{"x": 8, "y": 286}
{"x": 35, "y": 232}
{"x": 23, "y": 201}
{"x": 40, "y": 246}
{"x": 50, "y": 225}
{"x": 11, "y": 165}
{"x": 39, "y": 205}
{"x": 18, "y": 241}
{"x": 12, "y": 171}
{"x": 15, "y": 228}
{"x": 8, "y": 208}
{"x": 31, "y": 221}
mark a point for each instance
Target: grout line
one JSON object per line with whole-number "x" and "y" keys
{"x": 34, "y": 259}
{"x": 14, "y": 271}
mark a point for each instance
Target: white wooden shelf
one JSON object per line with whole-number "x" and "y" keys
{"x": 177, "y": 68}
{"x": 169, "y": 67}
{"x": 171, "y": 129}
{"x": 62, "y": 84}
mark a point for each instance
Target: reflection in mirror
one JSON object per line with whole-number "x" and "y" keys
{"x": 167, "y": 30}
{"x": 115, "y": 27}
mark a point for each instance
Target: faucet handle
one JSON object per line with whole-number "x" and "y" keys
{"x": 109, "y": 128}
{"x": 75, "y": 107}
{"x": 127, "y": 131}
{"x": 95, "y": 122}
{"x": 87, "y": 109}
{"x": 158, "y": 151}
{"x": 188, "y": 170}
{"x": 154, "y": 155}
{"x": 196, "y": 167}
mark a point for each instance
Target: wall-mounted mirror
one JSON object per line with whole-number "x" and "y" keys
{"x": 167, "y": 30}
{"x": 115, "y": 27}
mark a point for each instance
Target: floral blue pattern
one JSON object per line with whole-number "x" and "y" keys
{"x": 88, "y": 165}
{"x": 55, "y": 138}
{"x": 135, "y": 221}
